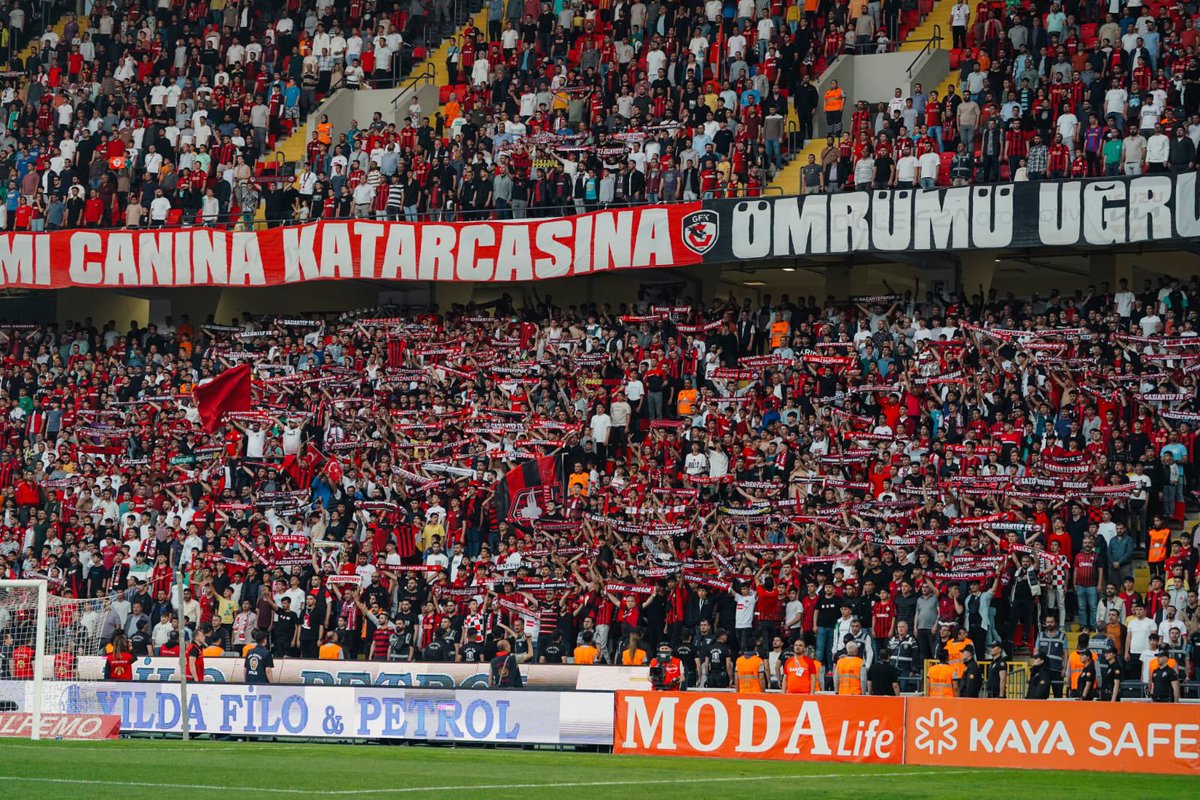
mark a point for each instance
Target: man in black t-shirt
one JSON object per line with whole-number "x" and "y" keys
{"x": 686, "y": 652}
{"x": 285, "y": 628}
{"x": 259, "y": 663}
{"x": 882, "y": 678}
{"x": 435, "y": 651}
{"x": 139, "y": 643}
{"x": 554, "y": 652}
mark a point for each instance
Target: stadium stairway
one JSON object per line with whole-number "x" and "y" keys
{"x": 788, "y": 178}
{"x": 291, "y": 149}
{"x": 58, "y": 27}
{"x": 938, "y": 17}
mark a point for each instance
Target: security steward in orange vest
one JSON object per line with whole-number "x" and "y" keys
{"x": 1082, "y": 679}
{"x": 1159, "y": 537}
{"x": 941, "y": 677}
{"x": 751, "y": 672}
{"x": 849, "y": 672}
{"x": 666, "y": 671}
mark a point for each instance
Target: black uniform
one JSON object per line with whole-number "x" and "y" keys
{"x": 717, "y": 656}
{"x": 687, "y": 654}
{"x": 256, "y": 664}
{"x": 971, "y": 680}
{"x": 1039, "y": 684}
{"x": 553, "y": 653}
{"x": 994, "y": 689}
{"x": 1162, "y": 684}
{"x": 1085, "y": 684}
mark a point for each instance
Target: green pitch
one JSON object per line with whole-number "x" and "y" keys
{"x": 166, "y": 770}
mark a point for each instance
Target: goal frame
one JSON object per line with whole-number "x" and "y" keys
{"x": 39, "y": 647}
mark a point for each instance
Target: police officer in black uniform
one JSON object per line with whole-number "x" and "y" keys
{"x": 997, "y": 674}
{"x": 971, "y": 679}
{"x": 1040, "y": 678}
{"x": 1164, "y": 679}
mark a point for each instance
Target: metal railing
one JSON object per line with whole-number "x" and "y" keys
{"x": 1016, "y": 682}
{"x": 934, "y": 42}
{"x": 235, "y": 221}
{"x": 425, "y": 77}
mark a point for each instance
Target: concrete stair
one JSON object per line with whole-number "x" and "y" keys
{"x": 920, "y": 35}
{"x": 788, "y": 178}
{"x": 293, "y": 146}
{"x": 35, "y": 44}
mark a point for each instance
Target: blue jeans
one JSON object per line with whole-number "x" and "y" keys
{"x": 936, "y": 132}
{"x": 773, "y": 153}
{"x": 1087, "y": 597}
{"x": 825, "y": 646}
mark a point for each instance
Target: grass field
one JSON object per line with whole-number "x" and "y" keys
{"x": 166, "y": 770}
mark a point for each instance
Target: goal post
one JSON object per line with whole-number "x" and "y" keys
{"x": 41, "y": 601}
{"x": 52, "y": 656}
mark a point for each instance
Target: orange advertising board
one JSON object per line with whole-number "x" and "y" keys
{"x": 864, "y": 730}
{"x": 1044, "y": 734}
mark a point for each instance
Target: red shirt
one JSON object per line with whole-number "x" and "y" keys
{"x": 120, "y": 666}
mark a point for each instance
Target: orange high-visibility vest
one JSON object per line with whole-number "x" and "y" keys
{"x": 1075, "y": 667}
{"x": 954, "y": 650}
{"x": 1159, "y": 538}
{"x": 748, "y": 674}
{"x": 849, "y": 675}
{"x": 941, "y": 680}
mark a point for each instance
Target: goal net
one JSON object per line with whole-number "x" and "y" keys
{"x": 43, "y": 639}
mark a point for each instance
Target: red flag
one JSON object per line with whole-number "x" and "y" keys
{"x": 229, "y": 391}
{"x": 333, "y": 470}
{"x": 303, "y": 466}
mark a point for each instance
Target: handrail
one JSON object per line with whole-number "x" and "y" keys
{"x": 426, "y": 76}
{"x": 228, "y": 221}
{"x": 933, "y": 42}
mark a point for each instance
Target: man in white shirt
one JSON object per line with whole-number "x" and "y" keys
{"x": 930, "y": 164}
{"x": 1124, "y": 299}
{"x": 1158, "y": 150}
{"x": 906, "y": 171}
{"x": 601, "y": 426}
{"x": 160, "y": 206}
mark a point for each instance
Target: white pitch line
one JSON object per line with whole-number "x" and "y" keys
{"x": 477, "y": 786}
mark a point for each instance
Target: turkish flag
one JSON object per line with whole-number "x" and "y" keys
{"x": 333, "y": 471}
{"x": 229, "y": 391}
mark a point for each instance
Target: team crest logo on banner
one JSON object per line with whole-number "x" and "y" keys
{"x": 700, "y": 231}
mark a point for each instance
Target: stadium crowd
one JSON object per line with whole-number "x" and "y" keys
{"x": 145, "y": 114}
{"x": 901, "y": 475}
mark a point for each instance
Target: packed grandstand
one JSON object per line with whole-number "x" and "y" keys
{"x": 896, "y": 474}
{"x": 880, "y": 491}
{"x": 155, "y": 113}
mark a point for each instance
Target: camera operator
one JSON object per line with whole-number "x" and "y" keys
{"x": 666, "y": 671}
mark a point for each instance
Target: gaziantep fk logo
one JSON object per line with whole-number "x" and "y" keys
{"x": 700, "y": 229}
